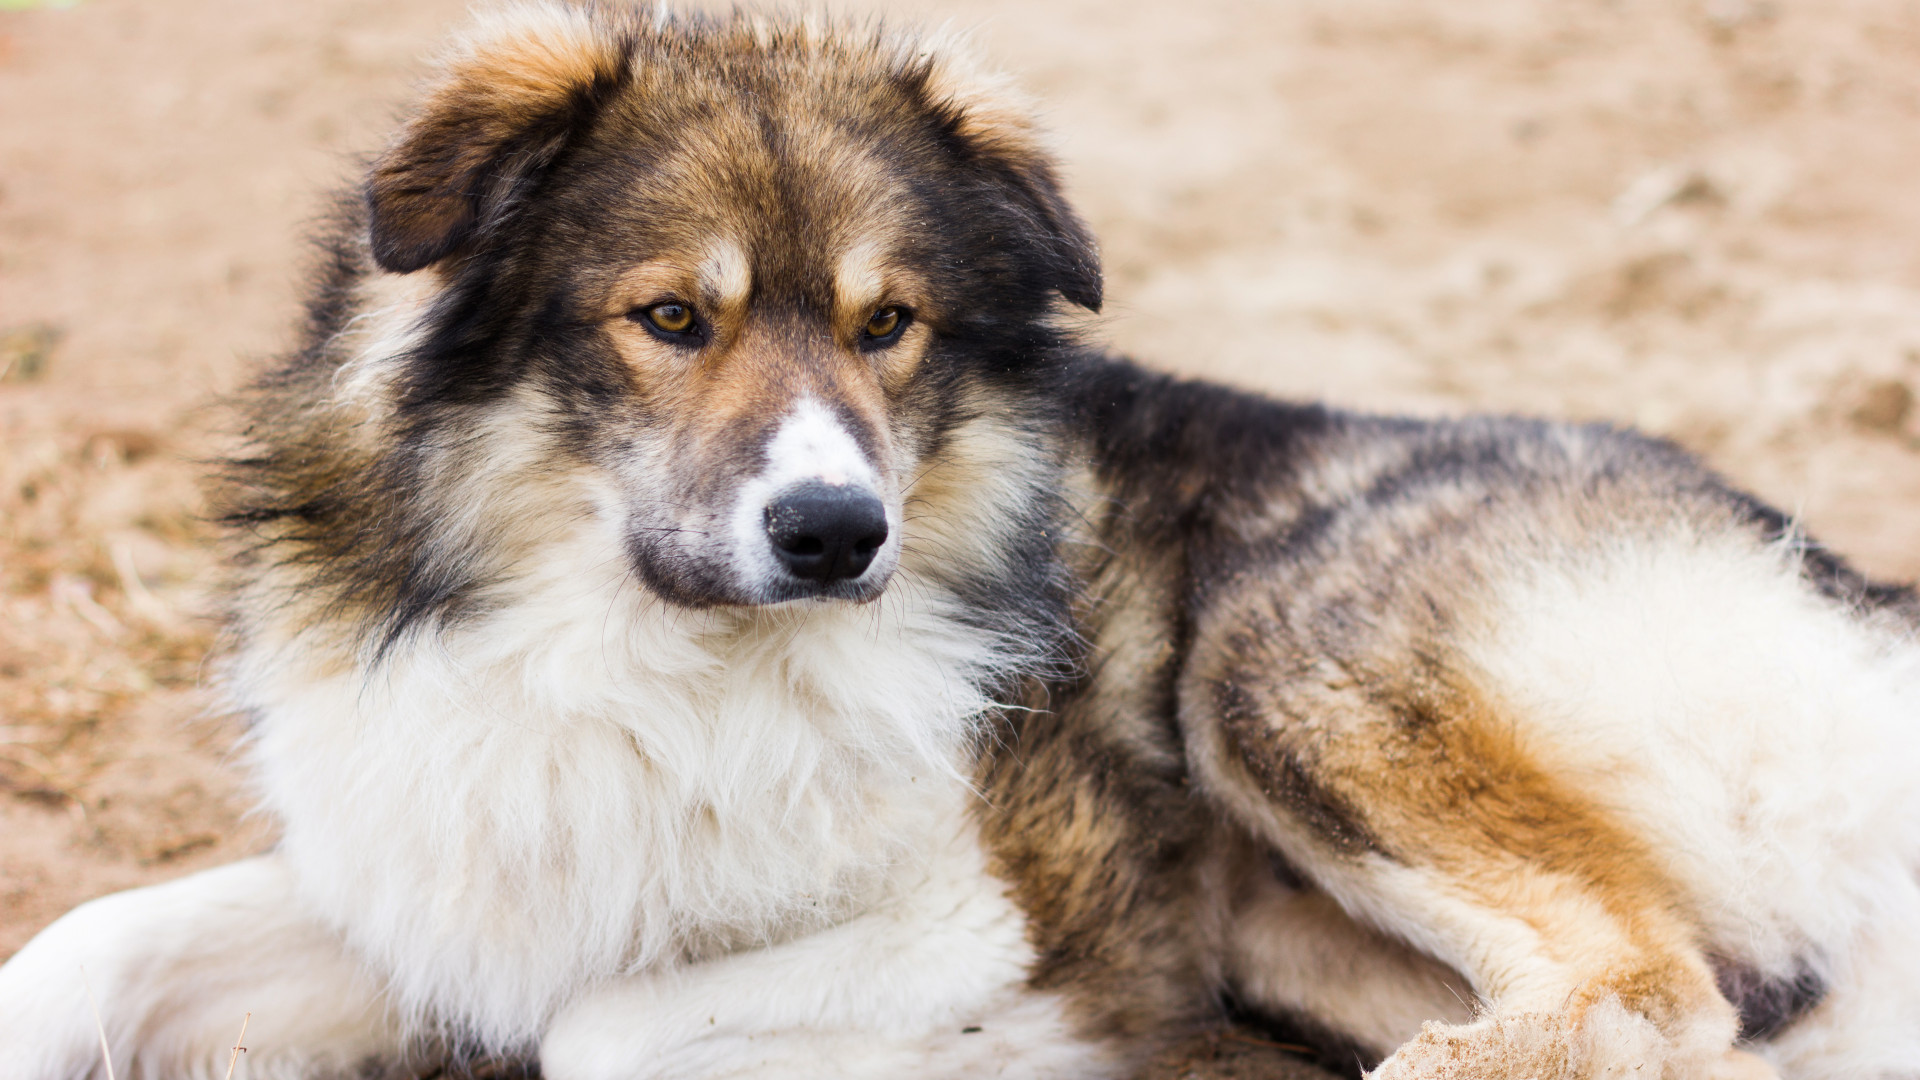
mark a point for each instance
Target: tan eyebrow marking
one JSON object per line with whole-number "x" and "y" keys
{"x": 715, "y": 279}
{"x": 859, "y": 280}
{"x": 725, "y": 277}
{"x": 646, "y": 284}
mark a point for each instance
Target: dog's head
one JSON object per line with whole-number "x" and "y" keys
{"x": 756, "y": 272}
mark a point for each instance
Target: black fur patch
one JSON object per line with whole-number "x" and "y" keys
{"x": 1339, "y": 1054}
{"x": 1183, "y": 456}
{"x": 1768, "y": 1004}
{"x": 1827, "y": 571}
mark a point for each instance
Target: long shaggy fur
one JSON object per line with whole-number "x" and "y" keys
{"x": 703, "y": 616}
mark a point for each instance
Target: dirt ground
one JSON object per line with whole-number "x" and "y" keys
{"x": 1697, "y": 216}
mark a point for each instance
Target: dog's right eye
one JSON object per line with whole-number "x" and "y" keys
{"x": 669, "y": 318}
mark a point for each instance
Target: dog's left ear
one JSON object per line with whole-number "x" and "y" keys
{"x": 515, "y": 88}
{"x": 983, "y": 111}
{"x": 1072, "y": 252}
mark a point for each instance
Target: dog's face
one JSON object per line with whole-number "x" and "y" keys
{"x": 756, "y": 274}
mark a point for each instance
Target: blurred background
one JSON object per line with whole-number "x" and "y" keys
{"x": 1697, "y": 216}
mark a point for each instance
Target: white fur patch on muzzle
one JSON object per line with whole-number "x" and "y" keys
{"x": 818, "y": 520}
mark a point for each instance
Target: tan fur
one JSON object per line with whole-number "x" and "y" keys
{"x": 1116, "y": 924}
{"x": 1291, "y": 947}
{"x": 522, "y": 65}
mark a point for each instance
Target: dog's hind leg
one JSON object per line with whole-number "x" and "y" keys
{"x": 1601, "y": 781}
{"x": 1397, "y": 783}
{"x": 1581, "y": 963}
{"x": 174, "y": 969}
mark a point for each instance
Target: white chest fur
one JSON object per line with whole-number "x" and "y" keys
{"x": 586, "y": 783}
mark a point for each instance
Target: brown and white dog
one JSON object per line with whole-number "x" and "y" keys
{"x": 703, "y": 616}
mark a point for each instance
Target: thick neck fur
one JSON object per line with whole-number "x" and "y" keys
{"x": 576, "y": 779}
{"x": 589, "y": 782}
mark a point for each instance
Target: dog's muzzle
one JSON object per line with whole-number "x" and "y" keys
{"x": 826, "y": 532}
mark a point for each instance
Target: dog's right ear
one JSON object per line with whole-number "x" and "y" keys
{"x": 517, "y": 86}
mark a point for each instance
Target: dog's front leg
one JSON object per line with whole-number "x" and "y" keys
{"x": 932, "y": 983}
{"x": 174, "y": 969}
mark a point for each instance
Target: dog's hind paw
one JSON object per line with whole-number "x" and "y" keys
{"x": 1608, "y": 1043}
{"x": 1526, "y": 1046}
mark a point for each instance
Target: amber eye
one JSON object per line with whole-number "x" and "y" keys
{"x": 669, "y": 318}
{"x": 885, "y": 324}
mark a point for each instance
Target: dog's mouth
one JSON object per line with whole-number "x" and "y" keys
{"x": 814, "y": 542}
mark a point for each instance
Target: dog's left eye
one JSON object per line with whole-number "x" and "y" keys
{"x": 885, "y": 326}
{"x": 671, "y": 319}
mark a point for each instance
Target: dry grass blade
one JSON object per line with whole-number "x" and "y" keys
{"x": 106, "y": 1055}
{"x": 234, "y": 1058}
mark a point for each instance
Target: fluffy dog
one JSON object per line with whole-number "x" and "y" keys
{"x": 702, "y": 615}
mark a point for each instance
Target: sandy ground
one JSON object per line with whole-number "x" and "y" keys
{"x": 1698, "y": 216}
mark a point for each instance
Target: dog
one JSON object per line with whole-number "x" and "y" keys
{"x": 704, "y": 612}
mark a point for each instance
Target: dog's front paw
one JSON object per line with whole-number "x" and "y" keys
{"x": 166, "y": 975}
{"x": 632, "y": 1029}
{"x": 46, "y": 1024}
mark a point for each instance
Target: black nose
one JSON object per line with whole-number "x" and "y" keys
{"x": 821, "y": 532}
